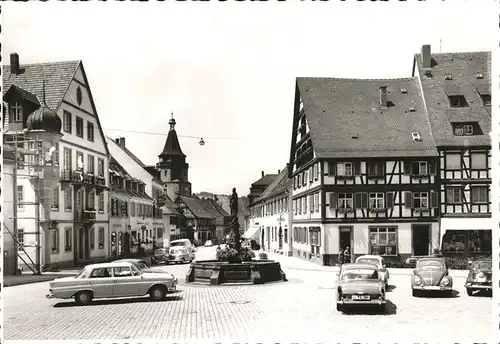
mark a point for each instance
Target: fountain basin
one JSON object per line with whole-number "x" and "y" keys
{"x": 214, "y": 272}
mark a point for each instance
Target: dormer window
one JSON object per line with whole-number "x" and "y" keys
{"x": 416, "y": 137}
{"x": 16, "y": 112}
{"x": 479, "y": 76}
{"x": 448, "y": 77}
{"x": 457, "y": 101}
{"x": 466, "y": 129}
{"x": 486, "y": 99}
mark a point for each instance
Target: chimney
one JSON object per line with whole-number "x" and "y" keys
{"x": 383, "y": 97}
{"x": 262, "y": 173}
{"x": 279, "y": 171}
{"x": 426, "y": 56}
{"x": 14, "y": 63}
{"x": 122, "y": 142}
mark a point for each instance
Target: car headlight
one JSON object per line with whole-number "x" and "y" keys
{"x": 445, "y": 281}
{"x": 417, "y": 280}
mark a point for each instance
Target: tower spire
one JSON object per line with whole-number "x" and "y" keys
{"x": 172, "y": 121}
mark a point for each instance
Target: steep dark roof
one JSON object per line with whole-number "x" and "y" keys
{"x": 218, "y": 207}
{"x": 266, "y": 180}
{"x": 30, "y": 77}
{"x": 463, "y": 67}
{"x": 172, "y": 145}
{"x": 279, "y": 185}
{"x": 346, "y": 120}
{"x": 170, "y": 208}
{"x": 209, "y": 207}
{"x": 196, "y": 207}
{"x": 23, "y": 93}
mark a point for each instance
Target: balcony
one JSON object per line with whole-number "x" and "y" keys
{"x": 87, "y": 180}
{"x": 85, "y": 216}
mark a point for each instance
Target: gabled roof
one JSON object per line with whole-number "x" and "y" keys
{"x": 22, "y": 93}
{"x": 278, "y": 186}
{"x": 266, "y": 180}
{"x": 170, "y": 207}
{"x": 345, "y": 118}
{"x": 218, "y": 208}
{"x": 128, "y": 152}
{"x": 462, "y": 67}
{"x": 58, "y": 76}
{"x": 209, "y": 207}
{"x": 117, "y": 169}
{"x": 196, "y": 207}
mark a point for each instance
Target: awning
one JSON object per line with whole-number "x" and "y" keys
{"x": 464, "y": 224}
{"x": 250, "y": 233}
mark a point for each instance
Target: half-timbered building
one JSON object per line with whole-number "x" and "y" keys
{"x": 364, "y": 169}
{"x": 457, "y": 92}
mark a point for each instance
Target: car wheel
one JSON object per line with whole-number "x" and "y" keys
{"x": 340, "y": 308}
{"x": 470, "y": 291}
{"x": 157, "y": 293}
{"x": 83, "y": 298}
{"x": 415, "y": 293}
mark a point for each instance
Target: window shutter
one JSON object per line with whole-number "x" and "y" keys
{"x": 333, "y": 200}
{"x": 311, "y": 203}
{"x": 408, "y": 199}
{"x": 406, "y": 167}
{"x": 432, "y": 167}
{"x": 112, "y": 206}
{"x": 369, "y": 169}
{"x": 357, "y": 168}
{"x": 357, "y": 200}
{"x": 332, "y": 169}
{"x": 317, "y": 202}
{"x": 434, "y": 199}
{"x": 364, "y": 200}
{"x": 311, "y": 175}
{"x": 390, "y": 200}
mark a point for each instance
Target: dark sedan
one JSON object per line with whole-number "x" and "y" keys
{"x": 479, "y": 278}
{"x": 431, "y": 275}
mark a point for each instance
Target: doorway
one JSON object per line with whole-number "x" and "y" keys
{"x": 83, "y": 244}
{"x": 421, "y": 239}
{"x": 345, "y": 238}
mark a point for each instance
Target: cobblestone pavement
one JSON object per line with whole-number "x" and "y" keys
{"x": 302, "y": 309}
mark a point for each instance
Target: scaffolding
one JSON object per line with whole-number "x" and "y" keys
{"x": 29, "y": 163}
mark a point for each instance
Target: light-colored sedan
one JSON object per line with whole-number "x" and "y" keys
{"x": 378, "y": 261}
{"x": 180, "y": 254}
{"x": 112, "y": 280}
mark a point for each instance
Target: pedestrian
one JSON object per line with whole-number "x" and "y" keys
{"x": 341, "y": 257}
{"x": 347, "y": 255}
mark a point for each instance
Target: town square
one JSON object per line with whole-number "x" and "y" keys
{"x": 226, "y": 181}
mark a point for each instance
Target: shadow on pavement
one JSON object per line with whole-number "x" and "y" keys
{"x": 102, "y": 302}
{"x": 439, "y": 295}
{"x": 390, "y": 309}
{"x": 390, "y": 288}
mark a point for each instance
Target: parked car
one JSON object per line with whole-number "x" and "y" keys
{"x": 479, "y": 277}
{"x": 431, "y": 274}
{"x": 378, "y": 261}
{"x": 142, "y": 265}
{"x": 112, "y": 280}
{"x": 360, "y": 285}
{"x": 208, "y": 243}
{"x": 160, "y": 255}
{"x": 180, "y": 254}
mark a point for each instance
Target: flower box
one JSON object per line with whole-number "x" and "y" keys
{"x": 345, "y": 210}
{"x": 377, "y": 210}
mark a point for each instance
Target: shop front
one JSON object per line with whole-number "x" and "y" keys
{"x": 466, "y": 237}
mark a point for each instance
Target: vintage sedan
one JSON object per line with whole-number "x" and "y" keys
{"x": 479, "y": 278}
{"x": 180, "y": 254}
{"x": 360, "y": 285}
{"x": 160, "y": 255}
{"x": 112, "y": 280}
{"x": 378, "y": 261}
{"x": 431, "y": 275}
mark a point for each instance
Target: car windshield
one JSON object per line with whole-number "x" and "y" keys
{"x": 178, "y": 243}
{"x": 481, "y": 265}
{"x": 81, "y": 273}
{"x": 373, "y": 261}
{"x": 359, "y": 274}
{"x": 177, "y": 249}
{"x": 430, "y": 264}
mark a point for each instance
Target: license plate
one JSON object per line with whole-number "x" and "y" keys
{"x": 361, "y": 297}
{"x": 432, "y": 288}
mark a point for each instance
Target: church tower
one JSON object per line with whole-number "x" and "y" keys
{"x": 173, "y": 167}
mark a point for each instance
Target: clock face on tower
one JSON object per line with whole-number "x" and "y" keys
{"x": 186, "y": 190}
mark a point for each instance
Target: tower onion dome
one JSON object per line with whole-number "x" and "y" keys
{"x": 44, "y": 119}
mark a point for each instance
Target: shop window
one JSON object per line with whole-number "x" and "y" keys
{"x": 383, "y": 241}
{"x": 454, "y": 242}
{"x": 480, "y": 241}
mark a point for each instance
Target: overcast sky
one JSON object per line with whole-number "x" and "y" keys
{"x": 227, "y": 70}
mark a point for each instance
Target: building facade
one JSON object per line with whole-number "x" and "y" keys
{"x": 38, "y": 96}
{"x": 371, "y": 187}
{"x": 457, "y": 92}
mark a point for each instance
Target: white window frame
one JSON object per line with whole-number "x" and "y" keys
{"x": 344, "y": 201}
{"x": 460, "y": 194}
{"x": 67, "y": 124}
{"x": 20, "y": 239}
{"x": 376, "y": 200}
{"x": 20, "y": 197}
{"x": 16, "y": 111}
{"x": 484, "y": 156}
{"x": 90, "y": 164}
{"x": 378, "y": 232}
{"x": 345, "y": 169}
{"x": 67, "y": 159}
{"x": 423, "y": 168}
{"x": 54, "y": 244}
{"x": 68, "y": 239}
{"x": 486, "y": 194}
{"x": 422, "y": 198}
{"x": 77, "y": 120}
{"x": 468, "y": 129}
{"x": 91, "y": 200}
{"x": 100, "y": 203}
{"x": 54, "y": 199}
{"x": 448, "y": 159}
{"x": 68, "y": 199}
